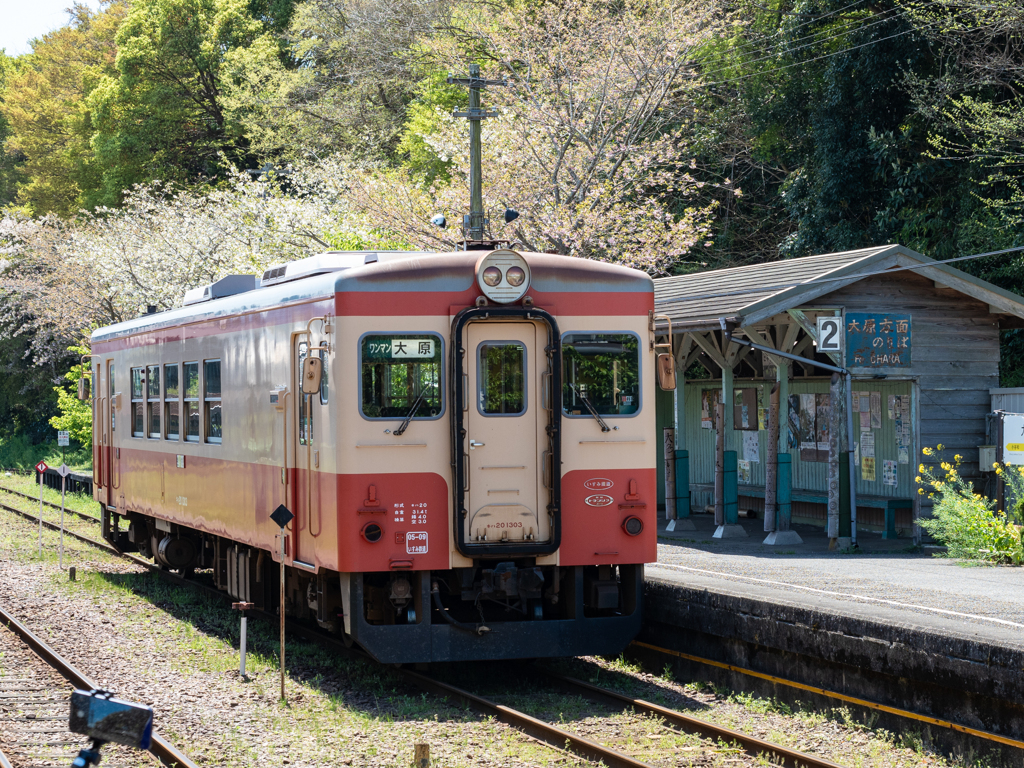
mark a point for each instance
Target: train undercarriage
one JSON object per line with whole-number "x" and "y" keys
{"x": 498, "y": 609}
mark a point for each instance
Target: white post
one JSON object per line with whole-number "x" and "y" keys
{"x": 242, "y": 643}
{"x": 282, "y": 615}
{"x": 40, "y": 514}
{"x": 63, "y": 482}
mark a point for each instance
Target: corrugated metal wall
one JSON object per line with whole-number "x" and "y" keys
{"x": 1009, "y": 400}
{"x": 807, "y": 475}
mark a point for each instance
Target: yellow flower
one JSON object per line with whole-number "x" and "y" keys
{"x": 940, "y": 446}
{"x": 920, "y": 490}
{"x": 999, "y": 471}
{"x": 920, "y": 467}
{"x": 926, "y": 451}
{"x": 958, "y": 457}
{"x": 946, "y": 466}
{"x": 917, "y": 479}
{"x": 995, "y": 465}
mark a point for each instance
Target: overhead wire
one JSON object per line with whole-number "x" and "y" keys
{"x": 785, "y": 46}
{"x": 809, "y": 45}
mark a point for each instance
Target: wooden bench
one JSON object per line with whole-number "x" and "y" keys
{"x": 888, "y": 503}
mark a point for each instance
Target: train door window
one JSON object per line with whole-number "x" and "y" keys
{"x": 153, "y": 405}
{"x": 211, "y": 400}
{"x": 401, "y": 376}
{"x": 324, "y": 392}
{"x": 305, "y": 401}
{"x": 191, "y": 386}
{"x": 113, "y": 392}
{"x": 502, "y": 378}
{"x": 172, "y": 407}
{"x": 602, "y": 372}
{"x": 138, "y": 404}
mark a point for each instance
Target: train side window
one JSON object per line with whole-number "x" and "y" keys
{"x": 113, "y": 391}
{"x": 601, "y": 370}
{"x": 138, "y": 404}
{"x": 399, "y": 371}
{"x": 191, "y": 383}
{"x": 305, "y": 401}
{"x": 324, "y": 391}
{"x": 211, "y": 400}
{"x": 172, "y": 408}
{"x": 153, "y": 406}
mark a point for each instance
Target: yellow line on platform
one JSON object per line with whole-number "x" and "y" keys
{"x": 841, "y": 696}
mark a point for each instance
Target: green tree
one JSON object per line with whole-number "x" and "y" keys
{"x": 75, "y": 415}
{"x": 44, "y": 106}
{"x": 10, "y": 159}
{"x": 162, "y": 116}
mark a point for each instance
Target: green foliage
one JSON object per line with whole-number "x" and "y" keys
{"x": 75, "y": 415}
{"x": 45, "y": 108}
{"x": 967, "y": 522}
{"x": 162, "y": 114}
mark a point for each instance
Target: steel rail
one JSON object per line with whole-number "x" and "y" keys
{"x": 50, "y": 504}
{"x": 751, "y": 744}
{"x": 551, "y": 735}
{"x": 54, "y": 527}
{"x": 162, "y": 749}
{"x": 987, "y": 735}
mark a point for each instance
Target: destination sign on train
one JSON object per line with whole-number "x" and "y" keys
{"x": 401, "y": 348}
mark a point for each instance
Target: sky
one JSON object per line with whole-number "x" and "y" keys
{"x": 22, "y": 20}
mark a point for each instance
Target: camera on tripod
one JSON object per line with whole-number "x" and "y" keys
{"x": 104, "y": 719}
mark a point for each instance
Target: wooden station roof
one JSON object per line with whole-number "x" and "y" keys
{"x": 745, "y": 296}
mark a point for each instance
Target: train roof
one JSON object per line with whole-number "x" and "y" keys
{"x": 396, "y": 272}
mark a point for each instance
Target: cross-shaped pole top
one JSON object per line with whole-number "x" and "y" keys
{"x": 475, "y": 224}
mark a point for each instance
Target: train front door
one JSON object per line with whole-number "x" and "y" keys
{"x": 304, "y": 485}
{"x": 505, "y": 440}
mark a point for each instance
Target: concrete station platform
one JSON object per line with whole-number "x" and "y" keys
{"x": 891, "y": 625}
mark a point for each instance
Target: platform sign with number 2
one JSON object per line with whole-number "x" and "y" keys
{"x": 830, "y": 334}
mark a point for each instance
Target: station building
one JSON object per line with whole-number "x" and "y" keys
{"x": 921, "y": 340}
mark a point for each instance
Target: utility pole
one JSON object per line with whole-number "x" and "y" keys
{"x": 474, "y": 224}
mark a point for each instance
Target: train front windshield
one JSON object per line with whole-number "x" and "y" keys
{"x": 400, "y": 371}
{"x": 602, "y": 370}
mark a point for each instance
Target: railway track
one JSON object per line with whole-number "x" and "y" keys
{"x": 540, "y": 730}
{"x": 35, "y": 692}
{"x": 51, "y": 505}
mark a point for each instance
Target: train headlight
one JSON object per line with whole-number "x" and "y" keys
{"x": 491, "y": 276}
{"x": 503, "y": 276}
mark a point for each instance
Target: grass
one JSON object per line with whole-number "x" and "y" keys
{"x": 19, "y": 453}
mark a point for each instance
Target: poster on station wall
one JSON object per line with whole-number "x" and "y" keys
{"x": 878, "y": 340}
{"x": 809, "y": 425}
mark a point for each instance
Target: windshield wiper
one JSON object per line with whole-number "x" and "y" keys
{"x": 412, "y": 412}
{"x": 590, "y": 407}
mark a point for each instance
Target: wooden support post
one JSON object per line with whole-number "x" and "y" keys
{"x": 781, "y": 534}
{"x": 421, "y": 756}
{"x": 835, "y": 397}
{"x": 683, "y": 521}
{"x": 719, "y": 464}
{"x": 844, "y": 501}
{"x": 784, "y": 495}
{"x": 771, "y": 460}
{"x": 730, "y": 489}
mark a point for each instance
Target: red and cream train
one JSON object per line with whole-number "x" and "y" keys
{"x": 474, "y": 478}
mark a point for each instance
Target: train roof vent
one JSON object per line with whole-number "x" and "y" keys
{"x": 331, "y": 261}
{"x": 226, "y": 286}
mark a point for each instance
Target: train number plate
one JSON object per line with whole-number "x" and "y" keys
{"x": 416, "y": 543}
